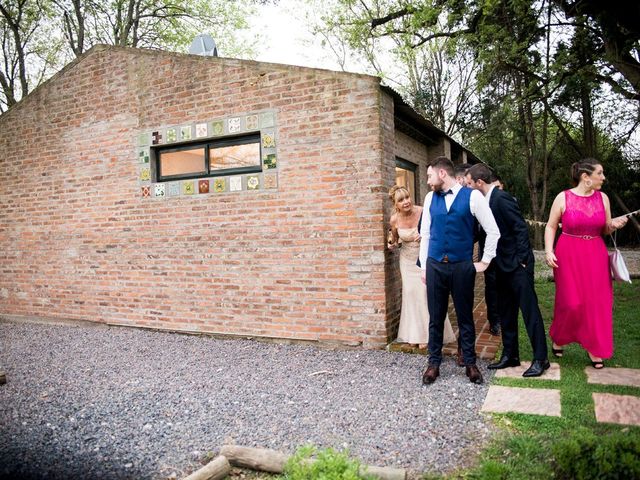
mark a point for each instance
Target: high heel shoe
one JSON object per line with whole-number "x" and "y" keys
{"x": 597, "y": 364}
{"x": 557, "y": 352}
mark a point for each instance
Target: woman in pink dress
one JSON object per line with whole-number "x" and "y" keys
{"x": 583, "y": 309}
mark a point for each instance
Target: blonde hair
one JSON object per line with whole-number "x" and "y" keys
{"x": 395, "y": 189}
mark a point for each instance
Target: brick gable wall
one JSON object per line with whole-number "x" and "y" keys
{"x": 304, "y": 261}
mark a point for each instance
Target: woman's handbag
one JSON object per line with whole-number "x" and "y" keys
{"x": 619, "y": 271}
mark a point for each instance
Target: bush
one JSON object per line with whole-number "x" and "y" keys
{"x": 610, "y": 457}
{"x": 327, "y": 465}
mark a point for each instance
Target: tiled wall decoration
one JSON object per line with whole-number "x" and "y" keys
{"x": 262, "y": 122}
{"x": 201, "y": 130}
{"x": 252, "y": 122}
{"x": 187, "y": 187}
{"x": 173, "y": 189}
{"x": 268, "y": 139}
{"x": 185, "y": 133}
{"x": 219, "y": 185}
{"x": 234, "y": 125}
{"x": 203, "y": 186}
{"x": 235, "y": 184}
{"x": 270, "y": 180}
{"x": 253, "y": 182}
{"x": 172, "y": 135}
{"x": 269, "y": 160}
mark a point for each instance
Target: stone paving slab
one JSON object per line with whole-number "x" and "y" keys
{"x": 553, "y": 373}
{"x": 621, "y": 409}
{"x": 629, "y": 377}
{"x": 535, "y": 401}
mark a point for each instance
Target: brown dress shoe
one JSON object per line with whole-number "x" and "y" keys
{"x": 460, "y": 358}
{"x": 430, "y": 374}
{"x": 474, "y": 374}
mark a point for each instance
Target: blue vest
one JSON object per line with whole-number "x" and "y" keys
{"x": 452, "y": 231}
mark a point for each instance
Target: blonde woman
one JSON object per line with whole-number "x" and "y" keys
{"x": 414, "y": 316}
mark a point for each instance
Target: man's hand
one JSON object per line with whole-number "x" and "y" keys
{"x": 481, "y": 266}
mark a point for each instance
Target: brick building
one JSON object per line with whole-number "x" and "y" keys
{"x": 206, "y": 194}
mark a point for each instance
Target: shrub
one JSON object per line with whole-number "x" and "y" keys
{"x": 328, "y": 464}
{"x": 610, "y": 457}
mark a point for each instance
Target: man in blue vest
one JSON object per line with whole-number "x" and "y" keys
{"x": 446, "y": 258}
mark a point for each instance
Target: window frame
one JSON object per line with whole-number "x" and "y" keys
{"x": 413, "y": 168}
{"x": 208, "y": 145}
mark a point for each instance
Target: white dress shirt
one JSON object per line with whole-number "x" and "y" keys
{"x": 479, "y": 206}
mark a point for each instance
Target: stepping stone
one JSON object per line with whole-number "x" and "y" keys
{"x": 614, "y": 376}
{"x": 622, "y": 409}
{"x": 535, "y": 401}
{"x": 516, "y": 372}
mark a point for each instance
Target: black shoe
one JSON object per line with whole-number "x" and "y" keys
{"x": 504, "y": 362}
{"x": 494, "y": 329}
{"x": 537, "y": 368}
{"x": 474, "y": 374}
{"x": 430, "y": 374}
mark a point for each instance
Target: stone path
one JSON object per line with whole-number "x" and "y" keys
{"x": 609, "y": 408}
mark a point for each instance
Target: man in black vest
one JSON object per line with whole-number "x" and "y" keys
{"x": 514, "y": 276}
{"x": 446, "y": 257}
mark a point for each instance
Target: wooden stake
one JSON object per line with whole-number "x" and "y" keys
{"x": 216, "y": 469}
{"x": 3, "y": 378}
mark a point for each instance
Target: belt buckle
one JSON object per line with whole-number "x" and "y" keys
{"x": 445, "y": 259}
{"x": 587, "y": 237}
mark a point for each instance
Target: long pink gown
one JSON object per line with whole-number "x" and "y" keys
{"x": 583, "y": 310}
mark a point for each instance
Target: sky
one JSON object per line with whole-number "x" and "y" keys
{"x": 286, "y": 38}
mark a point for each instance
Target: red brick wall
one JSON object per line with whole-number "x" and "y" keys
{"x": 305, "y": 261}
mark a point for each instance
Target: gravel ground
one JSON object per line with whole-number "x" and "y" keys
{"x": 117, "y": 403}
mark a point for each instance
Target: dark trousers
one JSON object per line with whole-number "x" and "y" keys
{"x": 516, "y": 292}
{"x": 491, "y": 295}
{"x": 456, "y": 279}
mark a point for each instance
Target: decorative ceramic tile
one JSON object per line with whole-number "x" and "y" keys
{"x": 159, "y": 190}
{"x": 188, "y": 188}
{"x": 252, "y": 122}
{"x": 235, "y": 184}
{"x": 203, "y": 186}
{"x": 268, "y": 140}
{"x": 145, "y": 174}
{"x": 217, "y": 128}
{"x": 270, "y": 180}
{"x": 201, "y": 130}
{"x": 146, "y": 191}
{"x": 173, "y": 189}
{"x": 219, "y": 185}
{"x": 267, "y": 119}
{"x": 269, "y": 160}
{"x": 143, "y": 155}
{"x": 144, "y": 139}
{"x": 185, "y": 133}
{"x": 253, "y": 182}
{"x": 234, "y": 125}
{"x": 172, "y": 134}
{"x": 156, "y": 138}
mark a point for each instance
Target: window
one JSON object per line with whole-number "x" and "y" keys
{"x": 406, "y": 176}
{"x": 219, "y": 157}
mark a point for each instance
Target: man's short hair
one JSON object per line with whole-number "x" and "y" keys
{"x": 443, "y": 163}
{"x": 481, "y": 171}
{"x": 461, "y": 169}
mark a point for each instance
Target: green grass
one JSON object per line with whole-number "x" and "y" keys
{"x": 523, "y": 449}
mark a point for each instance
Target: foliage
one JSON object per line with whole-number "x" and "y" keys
{"x": 615, "y": 456}
{"x": 38, "y": 38}
{"x": 328, "y": 464}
